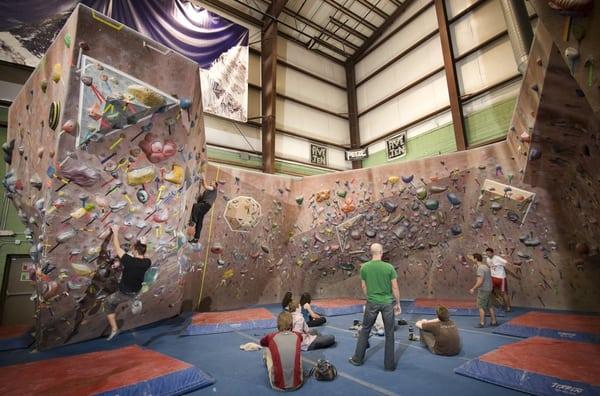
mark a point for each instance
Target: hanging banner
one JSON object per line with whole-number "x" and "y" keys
{"x": 219, "y": 46}
{"x": 318, "y": 154}
{"x": 396, "y": 146}
{"x": 357, "y": 155}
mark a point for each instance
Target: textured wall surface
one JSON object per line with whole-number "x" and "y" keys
{"x": 140, "y": 104}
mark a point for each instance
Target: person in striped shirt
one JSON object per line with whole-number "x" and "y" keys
{"x": 282, "y": 355}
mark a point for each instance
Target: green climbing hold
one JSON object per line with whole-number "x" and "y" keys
{"x": 421, "y": 193}
{"x": 299, "y": 199}
{"x": 342, "y": 194}
{"x": 68, "y": 40}
{"x": 432, "y": 204}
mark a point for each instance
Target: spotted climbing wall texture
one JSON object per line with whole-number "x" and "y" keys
{"x": 107, "y": 130}
{"x": 428, "y": 214}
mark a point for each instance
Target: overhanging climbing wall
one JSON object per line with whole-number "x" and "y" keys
{"x": 107, "y": 130}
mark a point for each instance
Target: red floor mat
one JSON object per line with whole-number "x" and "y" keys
{"x": 241, "y": 315}
{"x": 337, "y": 302}
{"x": 558, "y": 321}
{"x": 567, "y": 360}
{"x": 448, "y": 303}
{"x": 86, "y": 374}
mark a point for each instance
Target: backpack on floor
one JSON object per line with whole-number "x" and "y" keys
{"x": 324, "y": 371}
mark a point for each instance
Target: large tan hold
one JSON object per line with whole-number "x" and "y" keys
{"x": 147, "y": 96}
{"x": 141, "y": 176}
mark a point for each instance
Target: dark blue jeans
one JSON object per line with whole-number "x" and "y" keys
{"x": 387, "y": 313}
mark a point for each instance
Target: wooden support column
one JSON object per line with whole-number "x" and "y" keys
{"x": 452, "y": 81}
{"x": 268, "y": 63}
{"x": 352, "y": 111}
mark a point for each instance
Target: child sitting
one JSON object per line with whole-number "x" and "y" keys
{"x": 310, "y": 340}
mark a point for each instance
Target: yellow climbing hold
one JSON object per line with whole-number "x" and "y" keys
{"x": 393, "y": 180}
{"x": 56, "y": 72}
{"x": 228, "y": 274}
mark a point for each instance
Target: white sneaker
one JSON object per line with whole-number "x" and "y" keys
{"x": 113, "y": 334}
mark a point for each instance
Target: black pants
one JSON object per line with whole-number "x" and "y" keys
{"x": 322, "y": 341}
{"x": 316, "y": 322}
{"x": 199, "y": 210}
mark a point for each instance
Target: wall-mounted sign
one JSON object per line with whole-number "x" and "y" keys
{"x": 396, "y": 146}
{"x": 357, "y": 155}
{"x": 318, "y": 154}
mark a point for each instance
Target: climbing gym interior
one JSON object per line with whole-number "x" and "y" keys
{"x": 220, "y": 197}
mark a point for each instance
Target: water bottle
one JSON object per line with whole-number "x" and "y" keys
{"x": 411, "y": 333}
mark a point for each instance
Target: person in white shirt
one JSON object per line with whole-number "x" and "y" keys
{"x": 498, "y": 269}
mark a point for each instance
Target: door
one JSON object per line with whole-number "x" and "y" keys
{"x": 17, "y": 307}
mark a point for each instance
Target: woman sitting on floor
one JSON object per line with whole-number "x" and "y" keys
{"x": 310, "y": 339}
{"x": 312, "y": 318}
{"x": 287, "y": 299}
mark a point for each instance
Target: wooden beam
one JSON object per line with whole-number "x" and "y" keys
{"x": 353, "y": 111}
{"x": 377, "y": 33}
{"x": 450, "y": 68}
{"x": 268, "y": 61}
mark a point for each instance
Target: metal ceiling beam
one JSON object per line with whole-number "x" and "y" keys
{"x": 377, "y": 33}
{"x": 351, "y": 14}
{"x": 319, "y": 28}
{"x": 353, "y": 111}
{"x": 228, "y": 9}
{"x": 343, "y": 26}
{"x": 374, "y": 8}
{"x": 458, "y": 120}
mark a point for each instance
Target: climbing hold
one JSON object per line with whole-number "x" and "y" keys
{"x": 69, "y": 126}
{"x": 525, "y": 137}
{"x": 67, "y": 40}
{"x": 81, "y": 269}
{"x": 81, "y": 174}
{"x": 342, "y": 193}
{"x": 299, "y": 200}
{"x": 141, "y": 176}
{"x": 582, "y": 248}
{"x": 354, "y": 234}
{"x": 142, "y": 195}
{"x": 216, "y": 248}
{"x": 407, "y": 179}
{"x": 228, "y": 274}
{"x": 535, "y": 154}
{"x": 35, "y": 181}
{"x": 44, "y": 85}
{"x": 146, "y": 95}
{"x": 347, "y": 266}
{"x": 56, "y": 72}
{"x": 496, "y": 206}
{"x": 432, "y": 204}
{"x": 185, "y": 104}
{"x": 155, "y": 149}
{"x": 437, "y": 189}
{"x": 66, "y": 235}
{"x": 389, "y": 206}
{"x": 54, "y": 115}
{"x": 456, "y": 230}
{"x": 87, "y": 80}
{"x": 512, "y": 216}
{"x": 400, "y": 232}
{"x": 323, "y": 195}
{"x": 370, "y": 233}
{"x": 176, "y": 175}
{"x": 421, "y": 193}
{"x": 392, "y": 180}
{"x": 348, "y": 205}
{"x": 453, "y": 199}
{"x": 136, "y": 307}
{"x": 265, "y": 248}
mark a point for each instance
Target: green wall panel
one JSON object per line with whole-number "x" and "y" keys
{"x": 490, "y": 123}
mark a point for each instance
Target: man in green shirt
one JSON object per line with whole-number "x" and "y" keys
{"x": 380, "y": 286}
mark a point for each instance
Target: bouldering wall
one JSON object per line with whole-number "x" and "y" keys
{"x": 428, "y": 214}
{"x": 107, "y": 130}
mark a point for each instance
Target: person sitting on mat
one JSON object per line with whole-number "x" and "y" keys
{"x": 440, "y": 335}
{"x": 203, "y": 204}
{"x": 287, "y": 299}
{"x": 134, "y": 269}
{"x": 498, "y": 269}
{"x": 311, "y": 339}
{"x": 282, "y": 355}
{"x": 483, "y": 285}
{"x": 312, "y": 318}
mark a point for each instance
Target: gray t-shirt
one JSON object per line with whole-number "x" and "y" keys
{"x": 483, "y": 271}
